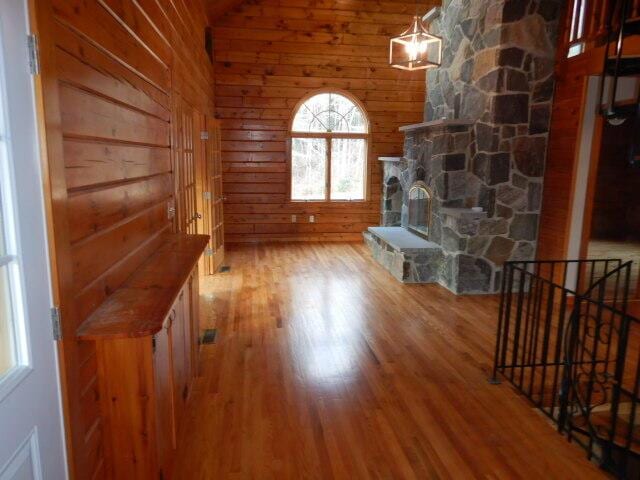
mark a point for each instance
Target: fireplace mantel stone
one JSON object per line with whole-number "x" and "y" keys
{"x": 436, "y": 124}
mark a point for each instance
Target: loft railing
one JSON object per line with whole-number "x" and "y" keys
{"x": 567, "y": 343}
{"x": 587, "y": 22}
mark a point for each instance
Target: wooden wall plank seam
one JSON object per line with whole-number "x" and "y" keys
{"x": 270, "y": 54}
{"x": 110, "y": 72}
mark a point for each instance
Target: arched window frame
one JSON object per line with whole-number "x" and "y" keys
{"x": 328, "y": 136}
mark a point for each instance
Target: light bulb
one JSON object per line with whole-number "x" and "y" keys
{"x": 414, "y": 48}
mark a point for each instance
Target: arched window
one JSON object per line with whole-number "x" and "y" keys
{"x": 329, "y": 149}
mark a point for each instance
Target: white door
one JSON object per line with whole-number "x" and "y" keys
{"x": 31, "y": 438}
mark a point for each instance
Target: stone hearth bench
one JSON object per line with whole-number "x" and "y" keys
{"x": 407, "y": 256}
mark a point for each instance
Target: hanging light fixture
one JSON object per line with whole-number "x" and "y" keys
{"x": 416, "y": 48}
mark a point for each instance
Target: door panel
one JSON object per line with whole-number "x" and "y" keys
{"x": 29, "y": 388}
{"x": 23, "y": 464}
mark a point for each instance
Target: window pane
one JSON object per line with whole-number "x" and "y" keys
{"x": 3, "y": 243}
{"x": 348, "y": 160}
{"x": 308, "y": 168}
{"x": 329, "y": 112}
{"x": 6, "y": 323}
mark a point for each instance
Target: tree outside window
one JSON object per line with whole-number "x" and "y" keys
{"x": 329, "y": 150}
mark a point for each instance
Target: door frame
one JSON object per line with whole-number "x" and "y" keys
{"x": 586, "y": 170}
{"x": 55, "y": 193}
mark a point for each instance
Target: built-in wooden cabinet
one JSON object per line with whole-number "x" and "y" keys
{"x": 146, "y": 338}
{"x": 163, "y": 383}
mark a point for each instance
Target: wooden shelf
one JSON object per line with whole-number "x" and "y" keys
{"x": 140, "y": 305}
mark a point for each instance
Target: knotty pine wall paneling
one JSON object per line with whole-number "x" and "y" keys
{"x": 111, "y": 70}
{"x": 562, "y": 155}
{"x": 270, "y": 54}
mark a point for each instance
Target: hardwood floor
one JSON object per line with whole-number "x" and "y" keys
{"x": 326, "y": 367}
{"x": 625, "y": 250}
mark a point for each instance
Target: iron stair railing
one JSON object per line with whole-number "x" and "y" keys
{"x": 567, "y": 349}
{"x": 623, "y": 22}
{"x": 619, "y": 65}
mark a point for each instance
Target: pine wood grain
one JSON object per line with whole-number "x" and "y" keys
{"x": 325, "y": 367}
{"x": 139, "y": 307}
{"x": 271, "y": 54}
{"x": 110, "y": 71}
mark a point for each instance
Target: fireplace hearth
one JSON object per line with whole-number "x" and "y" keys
{"x": 436, "y": 211}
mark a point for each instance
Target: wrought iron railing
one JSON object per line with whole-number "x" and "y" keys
{"x": 587, "y": 22}
{"x": 566, "y": 342}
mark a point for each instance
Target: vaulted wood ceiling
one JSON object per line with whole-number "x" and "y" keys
{"x": 217, "y": 8}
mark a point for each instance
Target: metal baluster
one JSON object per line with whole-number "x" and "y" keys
{"x": 501, "y": 314}
{"x": 518, "y": 321}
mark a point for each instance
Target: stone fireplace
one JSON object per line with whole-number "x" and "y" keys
{"x": 479, "y": 156}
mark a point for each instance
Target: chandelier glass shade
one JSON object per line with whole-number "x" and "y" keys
{"x": 416, "y": 48}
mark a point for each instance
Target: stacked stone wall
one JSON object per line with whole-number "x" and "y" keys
{"x": 498, "y": 72}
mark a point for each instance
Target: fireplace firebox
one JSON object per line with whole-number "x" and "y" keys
{"x": 419, "y": 209}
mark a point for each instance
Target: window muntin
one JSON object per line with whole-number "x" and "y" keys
{"x": 11, "y": 312}
{"x": 329, "y": 112}
{"x": 329, "y": 150}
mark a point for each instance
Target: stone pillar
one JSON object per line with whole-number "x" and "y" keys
{"x": 497, "y": 71}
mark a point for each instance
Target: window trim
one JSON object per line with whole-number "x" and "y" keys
{"x": 366, "y": 136}
{"x": 12, "y": 258}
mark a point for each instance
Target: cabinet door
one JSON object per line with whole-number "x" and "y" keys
{"x": 163, "y": 376}
{"x": 179, "y": 357}
{"x": 188, "y": 334}
{"x": 194, "y": 303}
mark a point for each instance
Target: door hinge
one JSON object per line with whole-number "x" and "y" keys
{"x": 208, "y": 252}
{"x": 55, "y": 323}
{"x": 34, "y": 54}
{"x": 204, "y": 135}
{"x": 206, "y": 195}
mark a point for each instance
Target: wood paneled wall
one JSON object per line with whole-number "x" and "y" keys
{"x": 571, "y": 83}
{"x": 270, "y": 54}
{"x": 112, "y": 71}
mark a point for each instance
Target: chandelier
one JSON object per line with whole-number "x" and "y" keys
{"x": 416, "y": 48}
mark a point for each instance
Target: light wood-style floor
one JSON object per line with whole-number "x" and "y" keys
{"x": 326, "y": 367}
{"x": 627, "y": 251}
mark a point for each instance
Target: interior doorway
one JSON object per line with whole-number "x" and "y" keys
{"x": 615, "y": 209}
